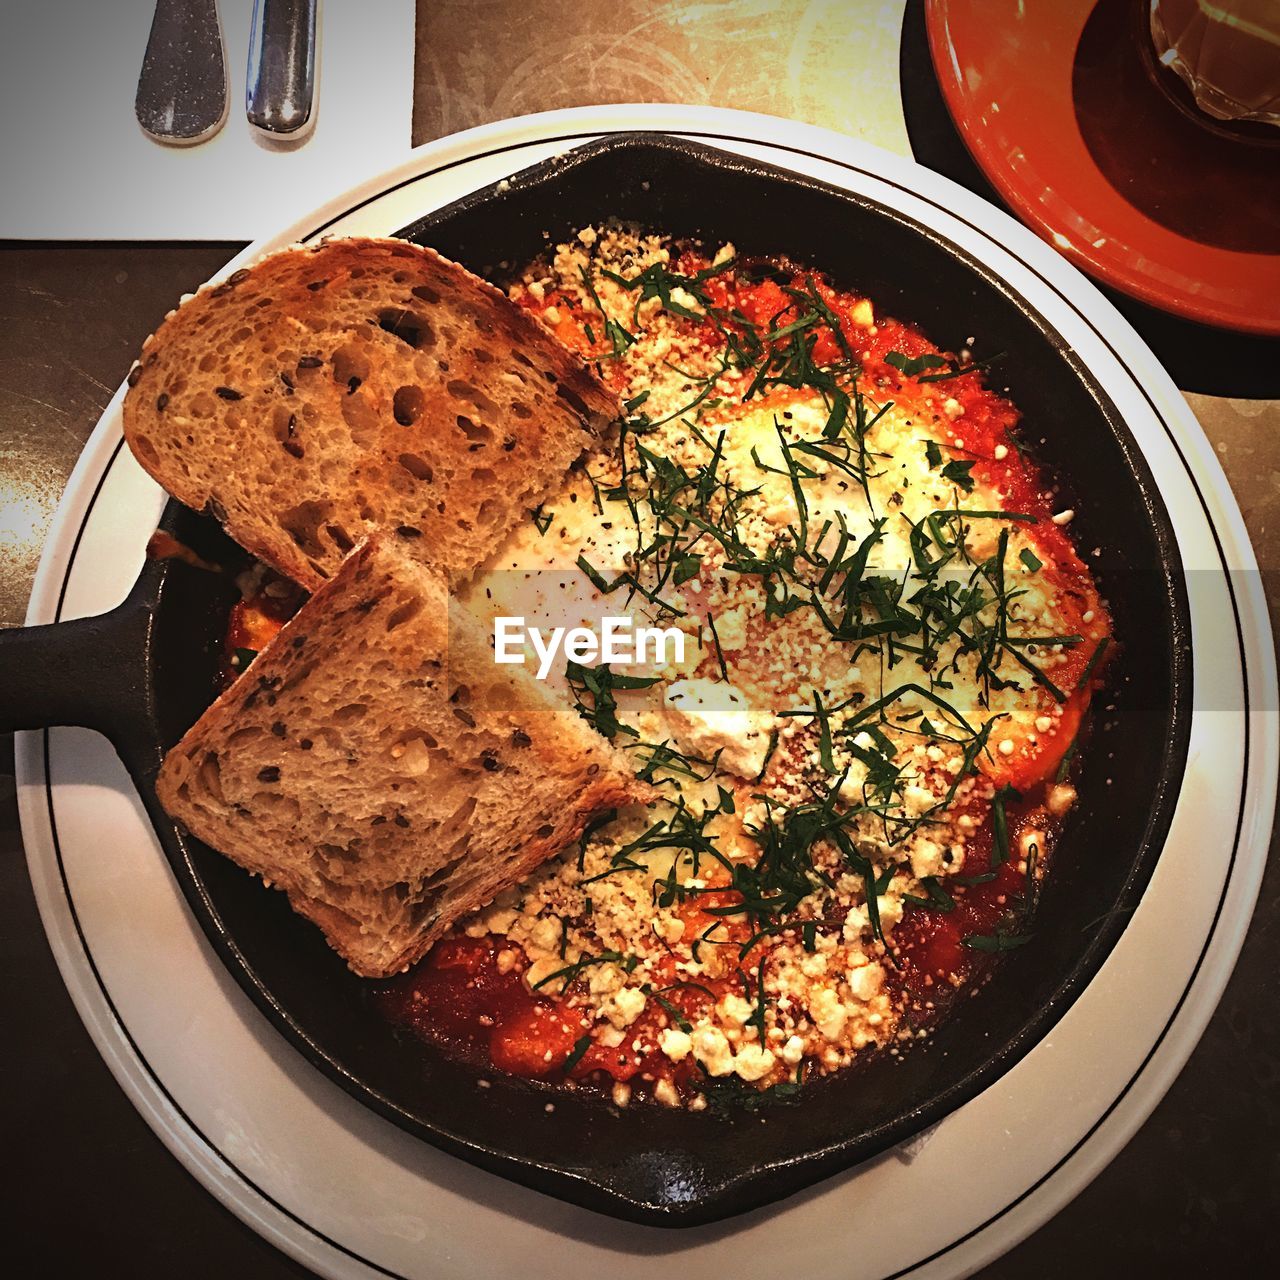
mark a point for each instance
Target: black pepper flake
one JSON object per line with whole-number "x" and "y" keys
{"x": 162, "y": 401}
{"x": 310, "y": 362}
{"x": 227, "y": 393}
{"x": 278, "y": 729}
{"x": 401, "y": 820}
{"x": 270, "y": 774}
{"x": 287, "y": 380}
{"x": 465, "y": 717}
{"x": 521, "y": 739}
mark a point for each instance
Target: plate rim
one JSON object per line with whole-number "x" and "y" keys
{"x": 747, "y": 1186}
{"x": 589, "y": 121}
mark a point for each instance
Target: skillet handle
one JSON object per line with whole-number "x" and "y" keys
{"x": 89, "y": 672}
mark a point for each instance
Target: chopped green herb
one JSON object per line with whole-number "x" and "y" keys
{"x": 580, "y": 1046}
{"x": 601, "y": 682}
{"x": 913, "y": 366}
{"x": 569, "y": 972}
{"x": 1000, "y": 824}
{"x": 995, "y": 941}
{"x": 958, "y": 473}
{"x": 1093, "y": 662}
{"x": 937, "y": 899}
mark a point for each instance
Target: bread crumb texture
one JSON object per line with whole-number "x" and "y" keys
{"x": 376, "y": 764}
{"x": 354, "y": 385}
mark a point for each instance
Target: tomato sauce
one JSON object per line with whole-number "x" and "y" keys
{"x": 254, "y": 622}
{"x": 469, "y": 994}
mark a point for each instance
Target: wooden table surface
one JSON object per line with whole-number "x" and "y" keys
{"x": 92, "y": 1191}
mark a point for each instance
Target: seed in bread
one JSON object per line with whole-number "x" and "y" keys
{"x": 359, "y": 384}
{"x": 377, "y": 765}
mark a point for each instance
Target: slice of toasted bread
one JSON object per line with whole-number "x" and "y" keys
{"x": 359, "y": 384}
{"x": 376, "y": 764}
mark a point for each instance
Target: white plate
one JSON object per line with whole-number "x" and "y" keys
{"x": 351, "y": 1195}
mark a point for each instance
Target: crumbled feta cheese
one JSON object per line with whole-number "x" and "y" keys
{"x": 735, "y": 1011}
{"x": 711, "y": 1048}
{"x": 865, "y": 982}
{"x": 707, "y": 716}
{"x": 1060, "y": 798}
{"x": 624, "y": 1006}
{"x": 731, "y": 629}
{"x": 676, "y": 1044}
{"x": 753, "y": 1062}
{"x": 828, "y": 1013}
{"x": 666, "y": 1093}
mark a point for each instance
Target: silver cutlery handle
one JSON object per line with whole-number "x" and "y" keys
{"x": 182, "y": 89}
{"x": 282, "y": 66}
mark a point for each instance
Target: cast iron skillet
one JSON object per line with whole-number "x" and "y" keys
{"x": 142, "y": 674}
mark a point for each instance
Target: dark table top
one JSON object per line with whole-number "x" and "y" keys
{"x": 96, "y": 1193}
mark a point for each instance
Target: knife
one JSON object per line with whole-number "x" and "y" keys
{"x": 182, "y": 88}
{"x": 282, "y": 68}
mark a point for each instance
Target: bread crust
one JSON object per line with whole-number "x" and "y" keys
{"x": 376, "y": 765}
{"x": 331, "y": 390}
